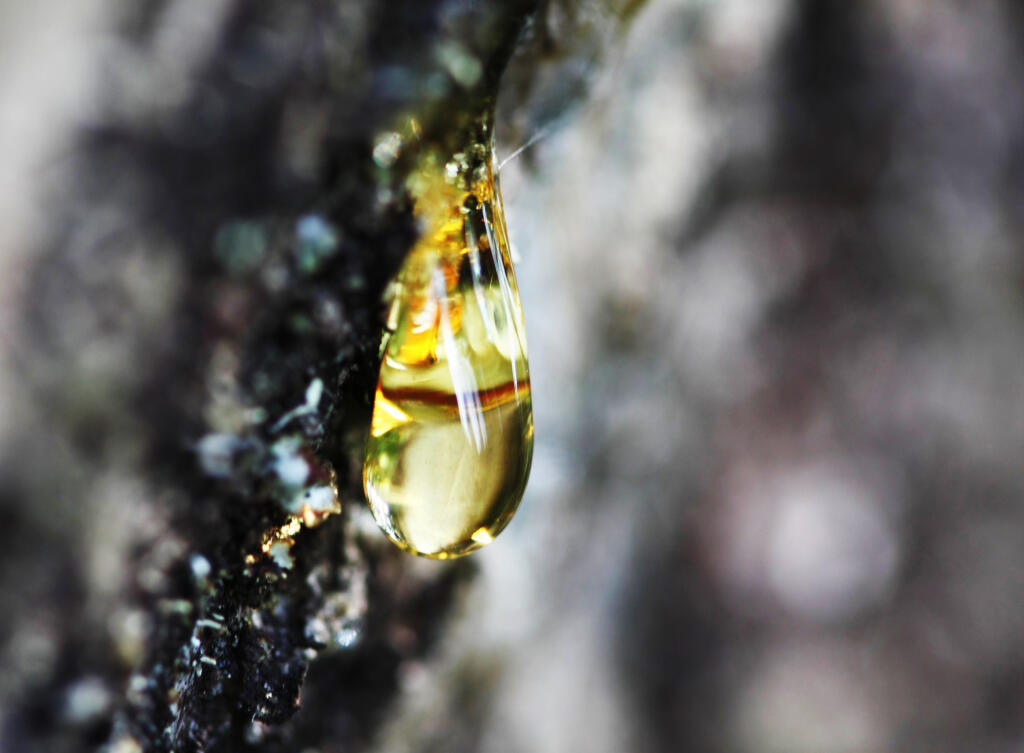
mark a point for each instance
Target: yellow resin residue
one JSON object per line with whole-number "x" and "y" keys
{"x": 451, "y": 438}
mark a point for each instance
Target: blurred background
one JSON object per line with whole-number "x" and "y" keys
{"x": 770, "y": 261}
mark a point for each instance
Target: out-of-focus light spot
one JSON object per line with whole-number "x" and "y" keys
{"x": 832, "y": 552}
{"x": 216, "y": 453}
{"x": 86, "y": 700}
{"x": 316, "y": 240}
{"x": 463, "y": 66}
{"x": 818, "y": 539}
{"x": 808, "y": 698}
{"x": 240, "y": 246}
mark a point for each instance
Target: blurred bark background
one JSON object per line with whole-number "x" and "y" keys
{"x": 770, "y": 264}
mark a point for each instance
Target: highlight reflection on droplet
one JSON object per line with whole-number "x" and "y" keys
{"x": 451, "y": 438}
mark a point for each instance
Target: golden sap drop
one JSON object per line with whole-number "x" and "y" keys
{"x": 451, "y": 438}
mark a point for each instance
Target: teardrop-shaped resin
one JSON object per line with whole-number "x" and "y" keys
{"x": 451, "y": 438}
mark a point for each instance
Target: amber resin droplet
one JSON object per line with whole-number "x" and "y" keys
{"x": 451, "y": 438}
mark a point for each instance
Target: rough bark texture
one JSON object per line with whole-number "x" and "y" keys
{"x": 202, "y": 325}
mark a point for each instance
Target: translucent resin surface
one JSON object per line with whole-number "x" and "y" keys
{"x": 451, "y": 439}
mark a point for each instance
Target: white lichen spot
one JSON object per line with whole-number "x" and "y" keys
{"x": 291, "y": 469}
{"x": 387, "y": 149}
{"x": 216, "y": 454}
{"x": 280, "y": 552}
{"x": 314, "y": 392}
{"x": 321, "y": 498}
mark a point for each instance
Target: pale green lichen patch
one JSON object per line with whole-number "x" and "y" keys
{"x": 240, "y": 246}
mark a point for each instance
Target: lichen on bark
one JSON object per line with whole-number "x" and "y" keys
{"x": 203, "y": 324}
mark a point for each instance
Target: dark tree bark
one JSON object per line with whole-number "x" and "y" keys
{"x": 228, "y": 235}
